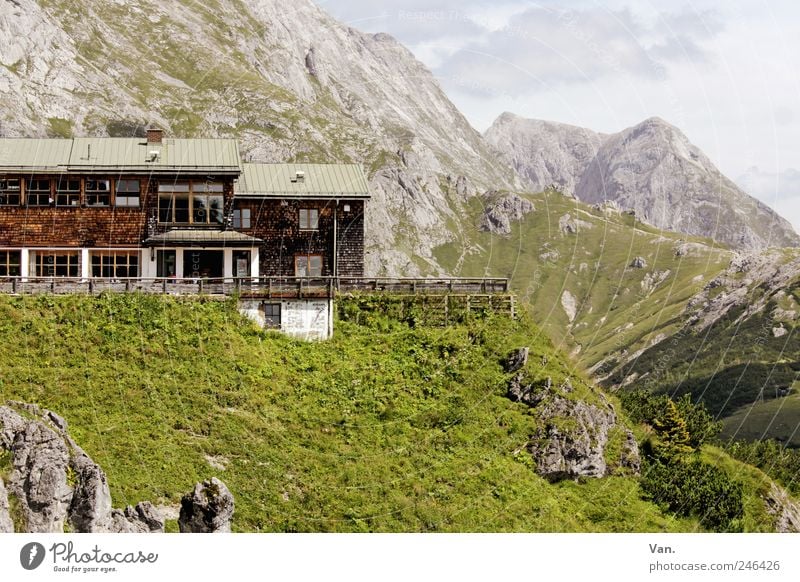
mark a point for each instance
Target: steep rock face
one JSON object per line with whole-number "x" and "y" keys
{"x": 651, "y": 169}
{"x": 58, "y": 487}
{"x": 544, "y": 153}
{"x": 502, "y": 210}
{"x": 290, "y": 83}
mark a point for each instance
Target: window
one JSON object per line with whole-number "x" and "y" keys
{"x": 309, "y": 219}
{"x": 195, "y": 202}
{"x": 57, "y": 264}
{"x": 68, "y": 191}
{"x": 115, "y": 264}
{"x": 308, "y": 265}
{"x": 127, "y": 193}
{"x": 241, "y": 218}
{"x": 272, "y": 315}
{"x": 9, "y": 264}
{"x": 9, "y": 192}
{"x": 98, "y": 192}
{"x": 38, "y": 191}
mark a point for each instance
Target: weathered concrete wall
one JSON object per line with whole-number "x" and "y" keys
{"x": 310, "y": 319}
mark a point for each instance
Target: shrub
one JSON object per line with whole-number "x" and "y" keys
{"x": 695, "y": 488}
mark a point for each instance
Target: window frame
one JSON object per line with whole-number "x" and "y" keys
{"x": 73, "y": 262}
{"x": 128, "y": 196}
{"x": 114, "y": 264}
{"x": 307, "y": 257}
{"x": 242, "y": 218}
{"x": 309, "y": 217}
{"x": 6, "y": 263}
{"x": 195, "y": 190}
{"x": 272, "y": 320}
{"x": 73, "y": 197}
{"x": 38, "y": 193}
{"x": 8, "y": 194}
{"x": 89, "y": 194}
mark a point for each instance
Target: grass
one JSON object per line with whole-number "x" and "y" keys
{"x": 384, "y": 428}
{"x": 778, "y": 419}
{"x": 617, "y": 313}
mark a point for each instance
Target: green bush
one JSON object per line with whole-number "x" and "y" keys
{"x": 777, "y": 461}
{"x": 694, "y": 488}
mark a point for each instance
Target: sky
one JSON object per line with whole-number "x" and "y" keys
{"x": 725, "y": 72}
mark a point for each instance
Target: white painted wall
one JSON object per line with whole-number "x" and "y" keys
{"x": 309, "y": 319}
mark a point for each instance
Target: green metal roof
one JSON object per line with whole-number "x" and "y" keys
{"x": 201, "y": 236}
{"x": 104, "y": 154}
{"x": 346, "y": 180}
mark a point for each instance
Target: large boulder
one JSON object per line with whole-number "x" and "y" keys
{"x": 207, "y": 509}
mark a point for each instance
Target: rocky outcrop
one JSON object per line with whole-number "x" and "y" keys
{"x": 785, "y": 511}
{"x": 569, "y": 304}
{"x": 638, "y": 263}
{"x": 208, "y": 509}
{"x": 571, "y": 441}
{"x": 38, "y": 480}
{"x": 651, "y": 169}
{"x": 57, "y": 487}
{"x": 573, "y": 436}
{"x": 502, "y": 211}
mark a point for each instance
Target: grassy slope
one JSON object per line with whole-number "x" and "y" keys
{"x": 616, "y": 313}
{"x": 730, "y": 366}
{"x": 384, "y": 428}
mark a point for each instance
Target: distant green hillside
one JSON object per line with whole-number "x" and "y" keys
{"x": 619, "y": 308}
{"x": 385, "y": 428}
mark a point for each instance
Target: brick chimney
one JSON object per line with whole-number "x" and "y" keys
{"x": 154, "y": 135}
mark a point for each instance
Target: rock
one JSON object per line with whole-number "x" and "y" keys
{"x": 630, "y": 458}
{"x": 517, "y": 360}
{"x": 90, "y": 509}
{"x": 38, "y": 480}
{"x": 653, "y": 280}
{"x": 530, "y": 393}
{"x": 573, "y": 449}
{"x": 547, "y": 155}
{"x": 785, "y": 511}
{"x": 208, "y": 509}
{"x": 6, "y": 523}
{"x": 498, "y": 215}
{"x": 639, "y": 263}
{"x": 311, "y": 63}
{"x": 144, "y": 518}
{"x": 570, "y": 305}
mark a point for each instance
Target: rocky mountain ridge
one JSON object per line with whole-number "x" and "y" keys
{"x": 650, "y": 168}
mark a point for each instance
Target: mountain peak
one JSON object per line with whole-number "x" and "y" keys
{"x": 651, "y": 168}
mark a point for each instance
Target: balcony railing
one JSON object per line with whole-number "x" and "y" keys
{"x": 253, "y": 287}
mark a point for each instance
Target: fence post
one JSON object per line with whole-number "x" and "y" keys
{"x": 14, "y": 286}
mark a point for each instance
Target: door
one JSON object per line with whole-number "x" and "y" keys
{"x": 199, "y": 264}
{"x": 166, "y": 265}
{"x": 241, "y": 264}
